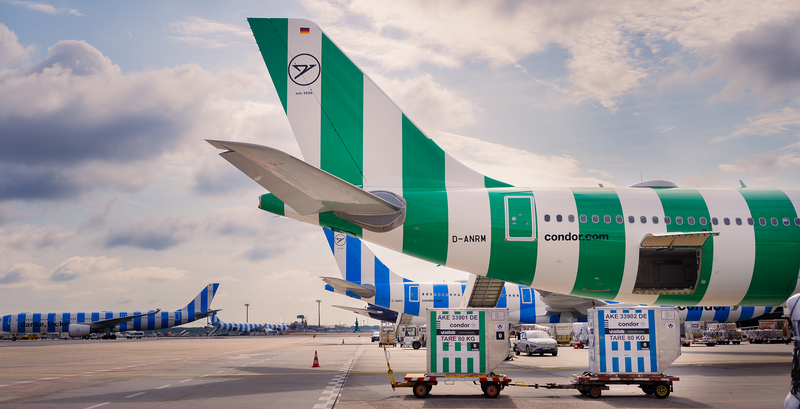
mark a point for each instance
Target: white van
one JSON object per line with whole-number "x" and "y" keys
{"x": 134, "y": 334}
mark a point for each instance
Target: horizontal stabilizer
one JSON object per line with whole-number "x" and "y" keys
{"x": 361, "y": 311}
{"x": 113, "y": 322}
{"x": 344, "y": 286}
{"x": 305, "y": 188}
{"x": 204, "y": 314}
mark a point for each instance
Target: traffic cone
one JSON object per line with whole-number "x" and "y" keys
{"x": 576, "y": 346}
{"x": 316, "y": 360}
{"x": 314, "y": 336}
{"x": 342, "y": 342}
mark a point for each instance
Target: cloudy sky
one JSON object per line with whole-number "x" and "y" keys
{"x": 111, "y": 200}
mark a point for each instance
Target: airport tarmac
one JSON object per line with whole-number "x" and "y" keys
{"x": 275, "y": 371}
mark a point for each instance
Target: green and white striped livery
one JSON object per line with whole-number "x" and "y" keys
{"x": 652, "y": 243}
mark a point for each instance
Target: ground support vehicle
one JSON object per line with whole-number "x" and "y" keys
{"x": 464, "y": 345}
{"x": 770, "y": 332}
{"x": 387, "y": 336}
{"x": 580, "y": 335}
{"x": 592, "y": 385}
{"x": 414, "y": 336}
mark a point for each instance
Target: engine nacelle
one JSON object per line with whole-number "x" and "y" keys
{"x": 79, "y": 330}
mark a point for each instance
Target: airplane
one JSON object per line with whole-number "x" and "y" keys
{"x": 388, "y": 294}
{"x": 81, "y": 324}
{"x": 243, "y": 327}
{"x": 370, "y": 172}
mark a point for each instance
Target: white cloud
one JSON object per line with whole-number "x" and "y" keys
{"x": 516, "y": 166}
{"x": 76, "y": 267}
{"x": 775, "y": 122}
{"x": 97, "y": 128}
{"x": 202, "y": 33}
{"x": 612, "y": 46}
{"x": 10, "y": 50}
{"x": 46, "y": 8}
{"x": 29, "y": 237}
{"x": 429, "y": 104}
{"x": 108, "y": 269}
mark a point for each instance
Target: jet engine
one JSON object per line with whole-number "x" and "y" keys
{"x": 79, "y": 330}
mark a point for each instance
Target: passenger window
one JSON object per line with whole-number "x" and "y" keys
{"x": 643, "y": 219}
{"x": 558, "y": 218}
{"x": 679, "y": 220}
{"x": 739, "y": 221}
{"x": 714, "y": 221}
{"x": 655, "y": 219}
{"x": 690, "y": 219}
{"x": 547, "y": 217}
{"x": 774, "y": 221}
{"x": 727, "y": 221}
{"x": 631, "y": 219}
{"x": 595, "y": 219}
{"x": 785, "y": 221}
{"x": 607, "y": 219}
{"x": 667, "y": 220}
{"x": 797, "y": 221}
{"x": 703, "y": 221}
{"x": 750, "y": 221}
{"x": 583, "y": 218}
{"x": 620, "y": 219}
{"x": 762, "y": 221}
{"x": 571, "y": 218}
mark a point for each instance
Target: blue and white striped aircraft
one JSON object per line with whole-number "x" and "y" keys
{"x": 81, "y": 324}
{"x": 365, "y": 277}
{"x": 243, "y": 327}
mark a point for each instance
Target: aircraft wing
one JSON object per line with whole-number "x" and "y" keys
{"x": 113, "y": 322}
{"x": 307, "y": 189}
{"x": 345, "y": 286}
{"x": 361, "y": 311}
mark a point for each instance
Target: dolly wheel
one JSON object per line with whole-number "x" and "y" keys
{"x": 421, "y": 390}
{"x": 595, "y": 392}
{"x": 491, "y": 390}
{"x": 661, "y": 391}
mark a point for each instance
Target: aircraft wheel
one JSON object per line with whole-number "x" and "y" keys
{"x": 421, "y": 390}
{"x": 416, "y": 345}
{"x": 661, "y": 390}
{"x": 491, "y": 390}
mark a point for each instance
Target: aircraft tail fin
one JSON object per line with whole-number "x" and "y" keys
{"x": 200, "y": 306}
{"x": 359, "y": 265}
{"x": 343, "y": 123}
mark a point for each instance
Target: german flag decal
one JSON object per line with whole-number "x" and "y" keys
{"x": 304, "y": 30}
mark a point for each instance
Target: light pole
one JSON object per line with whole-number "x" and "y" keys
{"x": 319, "y": 320}
{"x": 247, "y": 313}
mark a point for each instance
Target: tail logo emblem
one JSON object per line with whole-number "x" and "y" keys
{"x": 304, "y": 69}
{"x": 339, "y": 238}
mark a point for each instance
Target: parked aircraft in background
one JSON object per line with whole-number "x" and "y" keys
{"x": 370, "y": 172}
{"x": 81, "y": 324}
{"x": 243, "y": 327}
{"x": 387, "y": 293}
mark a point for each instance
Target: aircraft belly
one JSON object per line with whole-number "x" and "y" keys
{"x": 734, "y": 248}
{"x": 557, "y": 258}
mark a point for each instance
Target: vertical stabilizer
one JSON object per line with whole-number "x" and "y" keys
{"x": 344, "y": 123}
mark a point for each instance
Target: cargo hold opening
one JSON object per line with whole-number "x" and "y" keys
{"x": 669, "y": 263}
